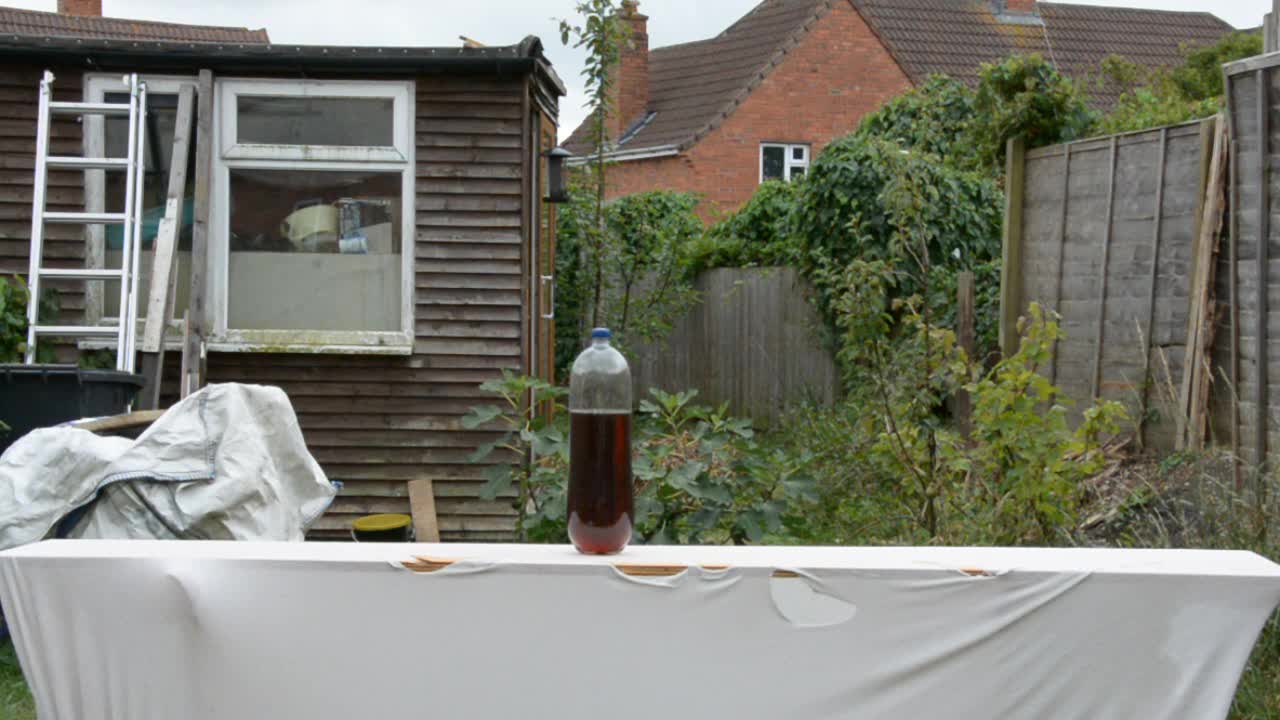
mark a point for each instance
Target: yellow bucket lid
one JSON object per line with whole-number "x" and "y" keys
{"x": 381, "y": 523}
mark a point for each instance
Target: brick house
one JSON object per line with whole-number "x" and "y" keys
{"x": 762, "y": 98}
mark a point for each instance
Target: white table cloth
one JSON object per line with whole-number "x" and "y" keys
{"x": 140, "y": 630}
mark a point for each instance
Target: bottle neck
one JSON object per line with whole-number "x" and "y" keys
{"x": 599, "y": 343}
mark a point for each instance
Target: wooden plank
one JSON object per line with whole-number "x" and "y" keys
{"x": 164, "y": 271}
{"x": 1011, "y": 266}
{"x": 1185, "y": 391}
{"x": 1062, "y": 251}
{"x": 1148, "y": 333}
{"x": 193, "y": 350}
{"x": 1199, "y": 340}
{"x": 965, "y": 339}
{"x": 164, "y": 251}
{"x": 1100, "y": 336}
{"x": 1261, "y": 400}
{"x": 1233, "y": 281}
{"x": 422, "y": 506}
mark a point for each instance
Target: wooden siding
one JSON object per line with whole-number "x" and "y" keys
{"x": 374, "y": 423}
{"x": 64, "y": 244}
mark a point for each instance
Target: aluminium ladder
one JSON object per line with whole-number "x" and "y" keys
{"x": 134, "y": 168}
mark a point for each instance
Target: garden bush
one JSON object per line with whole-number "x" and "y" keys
{"x": 631, "y": 277}
{"x": 700, "y": 475}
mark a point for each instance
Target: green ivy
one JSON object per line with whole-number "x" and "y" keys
{"x": 937, "y": 117}
{"x": 14, "y": 296}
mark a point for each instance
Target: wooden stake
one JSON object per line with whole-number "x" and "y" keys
{"x": 965, "y": 339}
{"x": 1062, "y": 255}
{"x": 422, "y": 506}
{"x": 1157, "y": 224}
{"x": 1011, "y": 298}
{"x": 1100, "y": 337}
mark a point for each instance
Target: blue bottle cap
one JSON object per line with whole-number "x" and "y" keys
{"x": 601, "y": 333}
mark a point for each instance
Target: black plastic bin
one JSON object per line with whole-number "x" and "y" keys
{"x": 36, "y": 396}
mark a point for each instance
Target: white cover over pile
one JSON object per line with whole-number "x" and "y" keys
{"x": 228, "y": 462}
{"x": 306, "y": 631}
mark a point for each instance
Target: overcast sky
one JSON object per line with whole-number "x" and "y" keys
{"x": 498, "y": 22}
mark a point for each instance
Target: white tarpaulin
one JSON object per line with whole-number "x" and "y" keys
{"x": 228, "y": 462}
{"x": 310, "y": 631}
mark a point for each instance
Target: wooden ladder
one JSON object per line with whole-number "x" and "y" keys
{"x": 164, "y": 272}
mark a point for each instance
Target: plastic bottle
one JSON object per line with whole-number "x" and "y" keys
{"x": 601, "y": 495}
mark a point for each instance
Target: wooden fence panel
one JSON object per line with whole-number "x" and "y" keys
{"x": 751, "y": 342}
{"x": 1107, "y": 231}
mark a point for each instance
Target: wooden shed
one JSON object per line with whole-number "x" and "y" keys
{"x": 441, "y": 154}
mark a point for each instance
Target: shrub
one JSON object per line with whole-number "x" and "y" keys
{"x": 760, "y": 234}
{"x": 1026, "y": 96}
{"x": 1165, "y": 96}
{"x": 936, "y": 117}
{"x": 700, "y": 476}
{"x": 638, "y": 271}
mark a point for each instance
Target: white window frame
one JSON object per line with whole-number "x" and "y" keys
{"x": 233, "y": 155}
{"x": 789, "y": 164}
{"x": 96, "y": 87}
{"x": 402, "y": 123}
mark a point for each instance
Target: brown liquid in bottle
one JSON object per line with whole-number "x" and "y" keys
{"x": 600, "y": 490}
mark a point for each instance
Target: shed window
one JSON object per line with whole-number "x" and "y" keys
{"x": 315, "y": 121}
{"x": 313, "y": 209}
{"x": 326, "y": 244}
{"x": 783, "y": 161}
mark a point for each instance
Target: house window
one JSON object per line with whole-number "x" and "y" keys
{"x": 780, "y": 161}
{"x": 312, "y": 235}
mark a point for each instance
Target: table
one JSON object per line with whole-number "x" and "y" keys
{"x": 202, "y": 630}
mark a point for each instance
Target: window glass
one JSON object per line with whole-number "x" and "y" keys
{"x": 314, "y": 250}
{"x": 775, "y": 158}
{"x": 315, "y": 121}
{"x": 797, "y": 153}
{"x": 797, "y": 172}
{"x": 162, "y": 115}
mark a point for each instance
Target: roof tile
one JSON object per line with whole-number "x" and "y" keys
{"x": 693, "y": 85}
{"x": 33, "y": 23}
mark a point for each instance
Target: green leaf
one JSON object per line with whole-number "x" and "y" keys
{"x": 500, "y": 479}
{"x": 478, "y": 416}
{"x": 749, "y": 523}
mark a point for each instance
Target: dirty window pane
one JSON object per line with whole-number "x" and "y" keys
{"x": 162, "y": 114}
{"x": 314, "y": 250}
{"x": 314, "y": 121}
{"x": 775, "y": 159}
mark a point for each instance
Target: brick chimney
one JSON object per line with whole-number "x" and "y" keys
{"x": 87, "y": 8}
{"x": 1021, "y": 7}
{"x": 631, "y": 86}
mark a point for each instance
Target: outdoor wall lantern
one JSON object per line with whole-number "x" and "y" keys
{"x": 557, "y": 192}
